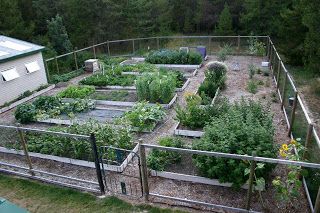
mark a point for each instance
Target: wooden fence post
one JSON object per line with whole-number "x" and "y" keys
{"x": 25, "y": 150}
{"x": 133, "y": 47}
{"x": 278, "y": 74}
{"x": 284, "y": 89}
{"x": 293, "y": 112}
{"x": 47, "y": 70}
{"x": 144, "y": 171}
{"x": 209, "y": 48}
{"x": 94, "y": 51}
{"x": 75, "y": 57}
{"x": 270, "y": 59}
{"x": 251, "y": 178}
{"x": 308, "y": 140}
{"x": 108, "y": 45}
{"x": 158, "y": 43}
{"x": 238, "y": 47}
{"x": 97, "y": 162}
{"x": 57, "y": 65}
{"x": 268, "y": 47}
{"x": 317, "y": 203}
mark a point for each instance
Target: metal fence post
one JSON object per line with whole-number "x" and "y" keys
{"x": 278, "y": 74}
{"x": 308, "y": 139}
{"x": 108, "y": 46}
{"x": 284, "y": 89}
{"x": 251, "y": 178}
{"x": 97, "y": 163}
{"x": 293, "y": 112}
{"x": 57, "y": 65}
{"x": 25, "y": 150}
{"x": 144, "y": 171}
{"x": 75, "y": 57}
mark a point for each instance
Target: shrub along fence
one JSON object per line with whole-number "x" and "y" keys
{"x": 140, "y": 46}
{"x": 298, "y": 121}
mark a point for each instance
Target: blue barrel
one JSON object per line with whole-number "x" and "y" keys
{"x": 202, "y": 50}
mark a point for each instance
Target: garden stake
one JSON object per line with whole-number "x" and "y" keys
{"x": 25, "y": 150}
{"x": 251, "y": 177}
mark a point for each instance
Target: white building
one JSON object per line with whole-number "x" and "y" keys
{"x": 21, "y": 68}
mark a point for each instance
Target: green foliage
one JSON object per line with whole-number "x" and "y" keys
{"x": 58, "y": 35}
{"x": 256, "y": 47}
{"x": 252, "y": 87}
{"x": 252, "y": 70}
{"x": 224, "y": 52}
{"x": 76, "y": 92}
{"x": 158, "y": 160}
{"x": 215, "y": 77}
{"x": 144, "y": 117}
{"x": 244, "y": 128}
{"x": 49, "y": 106}
{"x": 155, "y": 87}
{"x": 112, "y": 95}
{"x": 106, "y": 135}
{"x": 56, "y": 78}
{"x": 195, "y": 116}
{"x": 224, "y": 27}
{"x": 173, "y": 57}
{"x": 25, "y": 113}
{"x": 109, "y": 80}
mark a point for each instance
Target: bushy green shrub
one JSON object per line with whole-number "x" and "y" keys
{"x": 215, "y": 77}
{"x": 158, "y": 160}
{"x": 106, "y": 135}
{"x": 47, "y": 102}
{"x": 178, "y": 75}
{"x": 155, "y": 87}
{"x": 224, "y": 52}
{"x": 256, "y": 47}
{"x": 252, "y": 70}
{"x": 56, "y": 78}
{"x": 252, "y": 87}
{"x": 143, "y": 116}
{"x": 244, "y": 128}
{"x": 25, "y": 113}
{"x": 76, "y": 92}
{"x": 109, "y": 80}
{"x": 195, "y": 116}
{"x": 173, "y": 57}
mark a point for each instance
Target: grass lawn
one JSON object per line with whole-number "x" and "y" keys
{"x": 38, "y": 197}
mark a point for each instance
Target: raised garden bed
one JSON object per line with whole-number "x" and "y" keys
{"x": 13, "y": 105}
{"x": 76, "y": 162}
{"x": 186, "y": 132}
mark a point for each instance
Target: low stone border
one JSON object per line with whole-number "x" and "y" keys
{"x": 72, "y": 161}
{"x": 127, "y": 104}
{"x": 13, "y": 105}
{"x": 187, "y": 133}
{"x": 192, "y": 178}
{"x": 177, "y": 66}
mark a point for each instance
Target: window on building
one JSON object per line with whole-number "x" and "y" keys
{"x": 32, "y": 67}
{"x": 10, "y": 74}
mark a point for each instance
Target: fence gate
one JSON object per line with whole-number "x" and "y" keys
{"x": 121, "y": 171}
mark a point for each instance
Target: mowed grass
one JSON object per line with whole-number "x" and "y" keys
{"x": 38, "y": 197}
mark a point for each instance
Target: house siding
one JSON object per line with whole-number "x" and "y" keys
{"x": 9, "y": 90}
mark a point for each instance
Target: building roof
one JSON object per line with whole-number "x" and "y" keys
{"x": 11, "y": 48}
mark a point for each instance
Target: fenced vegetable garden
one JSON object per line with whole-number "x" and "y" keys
{"x": 228, "y": 158}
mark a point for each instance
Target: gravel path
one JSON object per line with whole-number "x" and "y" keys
{"x": 235, "y": 90}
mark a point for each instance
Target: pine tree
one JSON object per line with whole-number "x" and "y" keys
{"x": 58, "y": 35}
{"x": 225, "y": 22}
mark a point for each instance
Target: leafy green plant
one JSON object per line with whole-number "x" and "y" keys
{"x": 256, "y": 47}
{"x": 224, "y": 52}
{"x": 245, "y": 127}
{"x": 252, "y": 87}
{"x": 106, "y": 135}
{"x": 252, "y": 70}
{"x": 56, "y": 78}
{"x": 158, "y": 160}
{"x": 109, "y": 80}
{"x": 25, "y": 113}
{"x": 173, "y": 57}
{"x": 215, "y": 77}
{"x": 77, "y": 92}
{"x": 144, "y": 117}
{"x": 155, "y": 88}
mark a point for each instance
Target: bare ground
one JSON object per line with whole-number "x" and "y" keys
{"x": 236, "y": 89}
